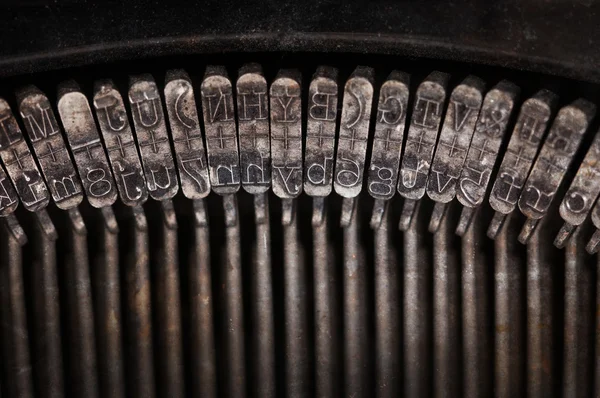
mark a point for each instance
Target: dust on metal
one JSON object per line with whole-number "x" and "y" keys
{"x": 86, "y": 146}
{"x": 322, "y": 114}
{"x": 17, "y": 158}
{"x": 119, "y": 143}
{"x": 152, "y": 137}
{"x": 186, "y": 135}
{"x": 286, "y": 134}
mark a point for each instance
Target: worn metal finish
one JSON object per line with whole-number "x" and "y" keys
{"x": 48, "y": 367}
{"x": 14, "y": 331}
{"x": 453, "y": 144}
{"x": 152, "y": 137}
{"x": 353, "y": 136}
{"x": 119, "y": 143}
{"x": 186, "y": 135}
{"x": 220, "y": 131}
{"x": 553, "y": 161}
{"x": 286, "y": 133}
{"x": 9, "y": 200}
{"x": 82, "y": 361}
{"x": 204, "y": 377}
{"x": 253, "y": 128}
{"x": 139, "y": 340}
{"x": 86, "y": 146}
{"x": 446, "y": 314}
{"x": 387, "y": 316}
{"x": 491, "y": 126}
{"x": 327, "y": 335}
{"x": 420, "y": 142}
{"x": 231, "y": 285}
{"x": 107, "y": 304}
{"x": 17, "y": 158}
{"x": 50, "y": 148}
{"x": 321, "y": 126}
{"x": 167, "y": 308}
{"x": 520, "y": 154}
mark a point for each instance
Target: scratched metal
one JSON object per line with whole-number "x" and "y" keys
{"x": 554, "y": 159}
{"x": 389, "y": 133}
{"x": 491, "y": 126}
{"x": 422, "y": 135}
{"x": 85, "y": 143}
{"x": 455, "y": 137}
{"x": 220, "y": 131}
{"x": 286, "y": 133}
{"x": 354, "y": 133}
{"x": 152, "y": 137}
{"x": 19, "y": 162}
{"x": 522, "y": 149}
{"x": 320, "y": 132}
{"x": 253, "y": 128}
{"x": 119, "y": 143}
{"x": 582, "y": 193}
{"x": 50, "y": 148}
{"x": 186, "y": 135}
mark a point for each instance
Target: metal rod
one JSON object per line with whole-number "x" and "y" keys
{"x": 508, "y": 340}
{"x": 168, "y": 308}
{"x": 355, "y": 328}
{"x": 326, "y": 332}
{"x": 15, "y": 335}
{"x": 204, "y": 376}
{"x": 387, "y": 312}
{"x": 139, "y": 311}
{"x": 262, "y": 303}
{"x": 539, "y": 319}
{"x": 82, "y": 347}
{"x": 47, "y": 338}
{"x": 296, "y": 315}
{"x": 446, "y": 312}
{"x": 416, "y": 350}
{"x": 108, "y": 310}
{"x": 475, "y": 338}
{"x": 235, "y": 378}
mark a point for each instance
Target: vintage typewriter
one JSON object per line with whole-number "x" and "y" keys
{"x": 299, "y": 199}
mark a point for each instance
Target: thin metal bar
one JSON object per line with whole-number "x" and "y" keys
{"x": 576, "y": 374}
{"x": 168, "y": 308}
{"x": 296, "y": 315}
{"x": 355, "y": 311}
{"x": 475, "y": 338}
{"x": 108, "y": 310}
{"x": 262, "y": 303}
{"x": 235, "y": 377}
{"x": 539, "y": 319}
{"x": 47, "y": 339}
{"x": 82, "y": 339}
{"x": 204, "y": 378}
{"x": 387, "y": 311}
{"x": 326, "y": 333}
{"x": 15, "y": 335}
{"x": 446, "y": 312}
{"x": 416, "y": 323}
{"x": 596, "y": 375}
{"x": 508, "y": 340}
{"x": 139, "y": 339}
